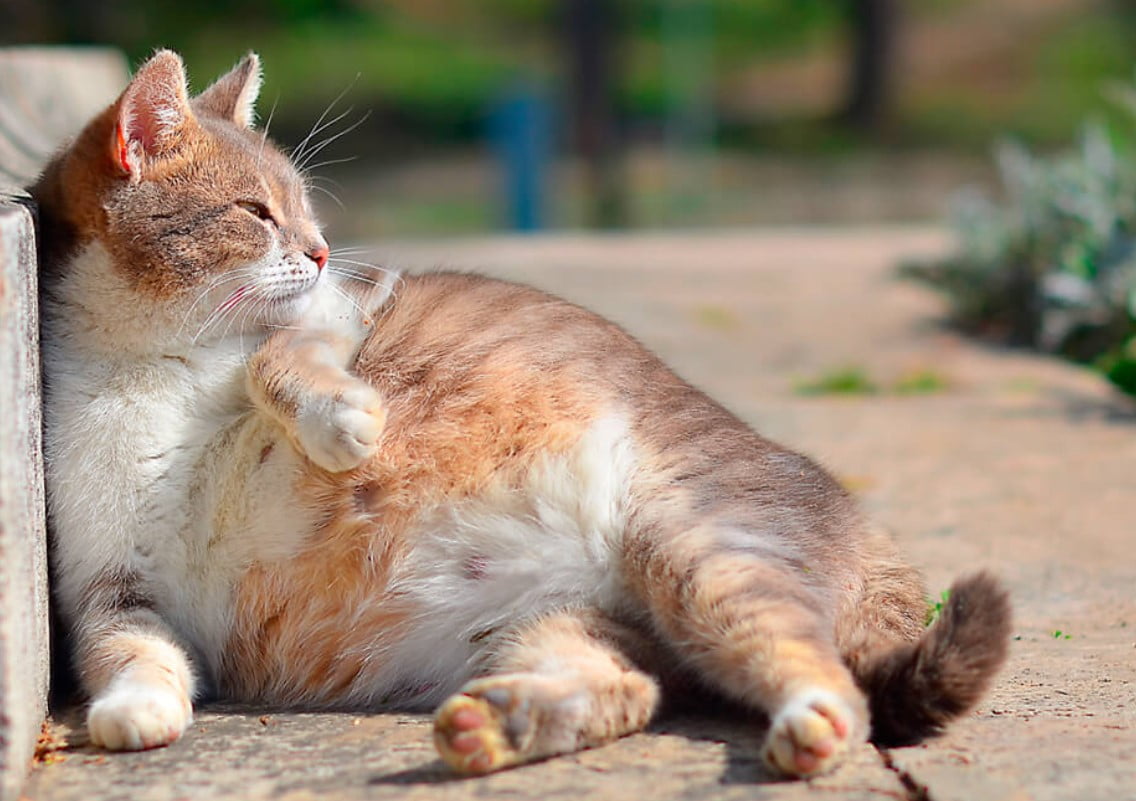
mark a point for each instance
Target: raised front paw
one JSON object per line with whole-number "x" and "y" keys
{"x": 812, "y": 733}
{"x": 131, "y": 716}
{"x": 341, "y": 430}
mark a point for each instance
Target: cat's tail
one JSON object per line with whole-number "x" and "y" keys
{"x": 916, "y": 688}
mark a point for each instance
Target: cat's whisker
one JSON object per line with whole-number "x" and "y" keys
{"x": 264, "y": 133}
{"x": 351, "y": 252}
{"x": 245, "y": 297}
{"x": 347, "y": 297}
{"x": 223, "y": 309}
{"x": 301, "y": 166}
{"x": 345, "y": 258}
{"x": 324, "y": 178}
{"x": 302, "y": 152}
{"x": 308, "y": 168}
{"x": 389, "y": 282}
{"x": 236, "y": 275}
{"x": 350, "y": 275}
{"x": 356, "y": 263}
{"x": 329, "y": 193}
{"x": 213, "y": 319}
{"x": 250, "y": 311}
{"x": 359, "y": 266}
{"x": 316, "y": 128}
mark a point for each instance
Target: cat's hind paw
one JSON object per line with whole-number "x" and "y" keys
{"x": 131, "y": 716}
{"x": 811, "y": 734}
{"x": 340, "y": 431}
{"x": 470, "y": 734}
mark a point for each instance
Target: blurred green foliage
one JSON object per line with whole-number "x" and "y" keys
{"x": 433, "y": 66}
{"x": 436, "y": 63}
{"x": 1052, "y": 264}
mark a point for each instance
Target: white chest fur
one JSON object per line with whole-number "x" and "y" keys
{"x": 147, "y": 452}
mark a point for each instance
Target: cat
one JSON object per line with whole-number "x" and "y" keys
{"x": 283, "y": 484}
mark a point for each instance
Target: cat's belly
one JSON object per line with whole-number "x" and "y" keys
{"x": 397, "y": 609}
{"x": 242, "y": 511}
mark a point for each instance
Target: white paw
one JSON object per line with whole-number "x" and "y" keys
{"x": 131, "y": 716}
{"x": 341, "y": 431}
{"x": 812, "y": 732}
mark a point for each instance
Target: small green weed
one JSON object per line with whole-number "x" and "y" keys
{"x": 854, "y": 380}
{"x": 920, "y": 382}
{"x": 842, "y": 381}
{"x": 1060, "y": 635}
{"x": 935, "y": 608}
{"x": 718, "y": 318}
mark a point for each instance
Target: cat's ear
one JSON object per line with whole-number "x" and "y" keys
{"x": 153, "y": 113}
{"x": 233, "y": 95}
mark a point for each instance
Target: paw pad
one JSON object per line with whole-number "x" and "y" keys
{"x": 811, "y": 734}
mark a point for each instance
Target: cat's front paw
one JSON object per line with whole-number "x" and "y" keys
{"x": 341, "y": 430}
{"x": 131, "y": 716}
{"x": 812, "y": 733}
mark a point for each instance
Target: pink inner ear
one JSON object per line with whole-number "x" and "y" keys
{"x": 149, "y": 123}
{"x": 120, "y": 151}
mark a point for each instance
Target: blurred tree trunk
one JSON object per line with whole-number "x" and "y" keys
{"x": 590, "y": 31}
{"x": 875, "y": 27}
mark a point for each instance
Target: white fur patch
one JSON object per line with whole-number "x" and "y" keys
{"x": 513, "y": 554}
{"x": 130, "y": 715}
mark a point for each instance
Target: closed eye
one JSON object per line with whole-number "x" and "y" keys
{"x": 256, "y": 209}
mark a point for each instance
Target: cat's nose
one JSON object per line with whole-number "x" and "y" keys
{"x": 319, "y": 255}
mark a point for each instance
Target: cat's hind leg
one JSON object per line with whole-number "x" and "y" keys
{"x": 559, "y": 684}
{"x": 751, "y": 625}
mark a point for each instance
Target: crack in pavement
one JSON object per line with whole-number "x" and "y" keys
{"x": 916, "y": 791}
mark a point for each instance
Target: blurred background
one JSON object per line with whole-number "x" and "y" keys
{"x": 462, "y": 116}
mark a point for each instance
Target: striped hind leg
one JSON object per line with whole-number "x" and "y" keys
{"x": 754, "y": 628}
{"x": 560, "y": 684}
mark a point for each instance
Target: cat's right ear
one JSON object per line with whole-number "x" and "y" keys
{"x": 233, "y": 96}
{"x": 152, "y": 114}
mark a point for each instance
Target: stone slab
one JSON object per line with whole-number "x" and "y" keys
{"x": 23, "y": 560}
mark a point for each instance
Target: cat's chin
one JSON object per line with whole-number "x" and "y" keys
{"x": 287, "y": 310}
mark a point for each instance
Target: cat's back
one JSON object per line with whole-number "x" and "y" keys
{"x": 509, "y": 364}
{"x": 445, "y": 324}
{"x": 485, "y": 379}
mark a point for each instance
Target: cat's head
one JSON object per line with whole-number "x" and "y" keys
{"x": 186, "y": 209}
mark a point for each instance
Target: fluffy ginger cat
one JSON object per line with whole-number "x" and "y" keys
{"x": 275, "y": 484}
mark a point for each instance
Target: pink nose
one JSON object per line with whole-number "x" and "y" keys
{"x": 319, "y": 256}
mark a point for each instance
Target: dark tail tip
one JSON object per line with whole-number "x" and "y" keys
{"x": 916, "y": 689}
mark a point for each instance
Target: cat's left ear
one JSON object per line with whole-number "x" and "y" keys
{"x": 233, "y": 95}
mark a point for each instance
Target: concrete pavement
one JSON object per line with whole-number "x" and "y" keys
{"x": 1005, "y": 460}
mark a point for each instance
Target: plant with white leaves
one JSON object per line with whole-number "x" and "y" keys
{"x": 1052, "y": 265}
